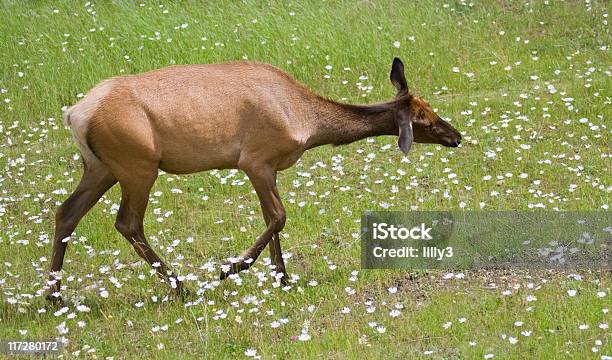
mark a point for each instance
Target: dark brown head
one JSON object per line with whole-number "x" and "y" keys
{"x": 415, "y": 119}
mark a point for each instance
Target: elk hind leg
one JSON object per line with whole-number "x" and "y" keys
{"x": 134, "y": 200}
{"x": 96, "y": 180}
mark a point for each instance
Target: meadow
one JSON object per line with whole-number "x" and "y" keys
{"x": 528, "y": 84}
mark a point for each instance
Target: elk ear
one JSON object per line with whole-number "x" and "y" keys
{"x": 397, "y": 75}
{"x": 406, "y": 136}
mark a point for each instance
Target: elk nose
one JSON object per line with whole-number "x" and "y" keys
{"x": 458, "y": 141}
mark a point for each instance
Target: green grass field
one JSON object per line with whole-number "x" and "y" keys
{"x": 528, "y": 83}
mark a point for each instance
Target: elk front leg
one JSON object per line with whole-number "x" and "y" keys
{"x": 276, "y": 254}
{"x": 263, "y": 179}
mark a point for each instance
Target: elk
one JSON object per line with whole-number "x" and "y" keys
{"x": 190, "y": 118}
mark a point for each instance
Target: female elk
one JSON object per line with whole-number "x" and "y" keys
{"x": 191, "y": 118}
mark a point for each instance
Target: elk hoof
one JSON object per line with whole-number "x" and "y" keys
{"x": 181, "y": 293}
{"x": 280, "y": 276}
{"x": 234, "y": 268}
{"x": 55, "y": 301}
{"x": 284, "y": 279}
{"x": 178, "y": 289}
{"x": 223, "y": 275}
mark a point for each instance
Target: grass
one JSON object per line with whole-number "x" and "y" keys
{"x": 516, "y": 78}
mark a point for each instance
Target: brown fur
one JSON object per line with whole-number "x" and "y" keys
{"x": 191, "y": 118}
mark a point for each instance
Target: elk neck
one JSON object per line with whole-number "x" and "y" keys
{"x": 338, "y": 124}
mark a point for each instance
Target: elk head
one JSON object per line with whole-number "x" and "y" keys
{"x": 415, "y": 119}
